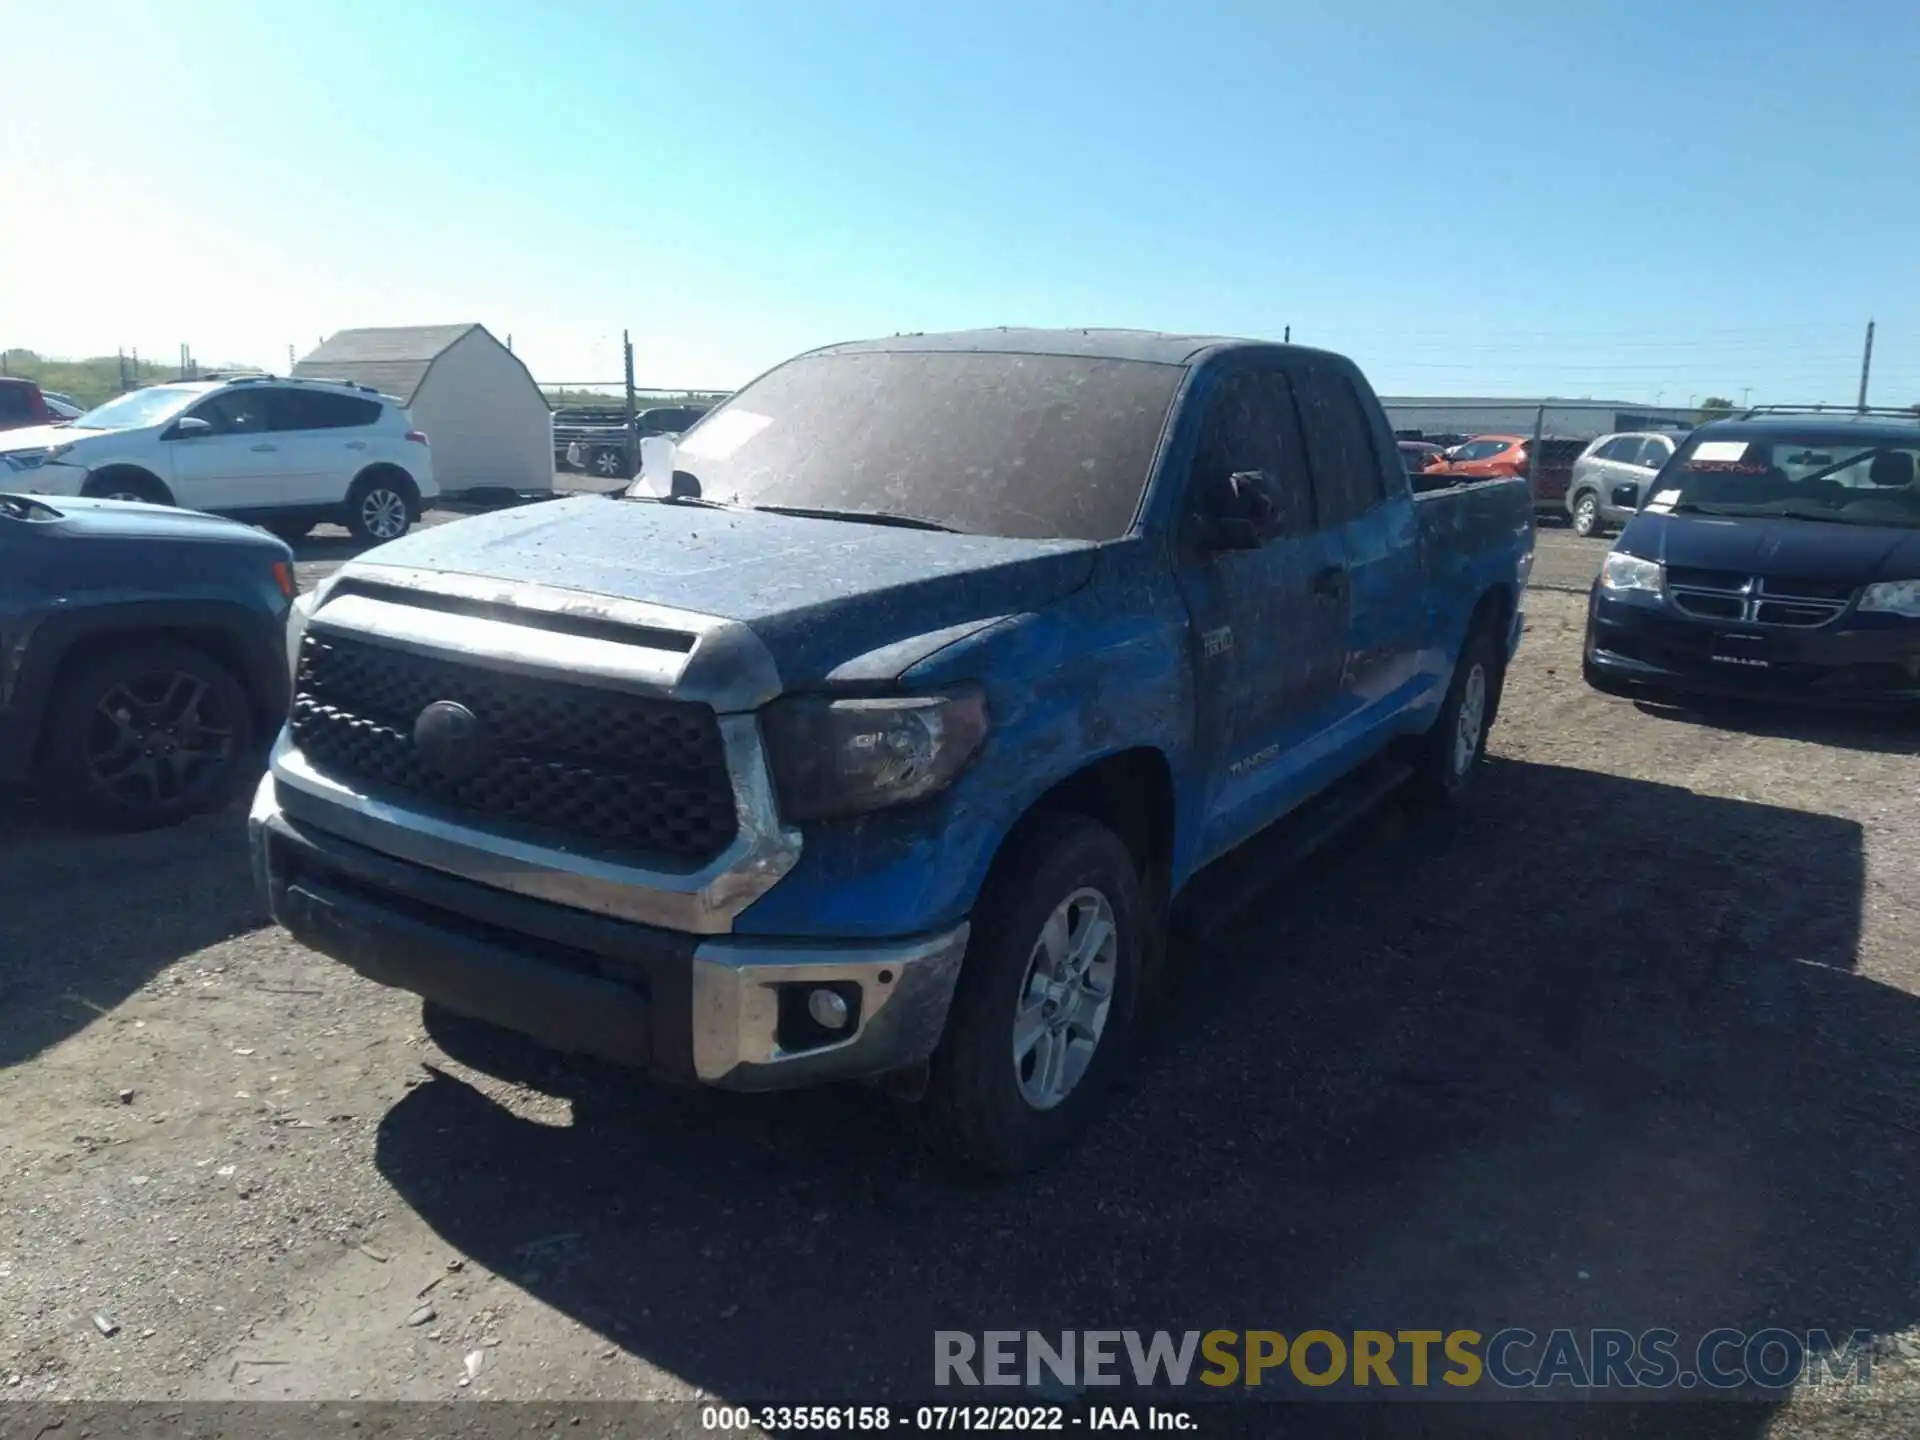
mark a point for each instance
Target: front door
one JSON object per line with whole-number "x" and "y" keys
{"x": 1268, "y": 623}
{"x": 235, "y": 465}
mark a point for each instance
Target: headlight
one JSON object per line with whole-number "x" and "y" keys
{"x": 1621, "y": 572}
{"x": 1894, "y": 597}
{"x": 34, "y": 459}
{"x": 834, "y": 758}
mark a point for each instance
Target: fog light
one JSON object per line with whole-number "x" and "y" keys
{"x": 829, "y": 1010}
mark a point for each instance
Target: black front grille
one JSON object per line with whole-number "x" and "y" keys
{"x": 625, "y": 771}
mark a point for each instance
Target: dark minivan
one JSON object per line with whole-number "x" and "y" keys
{"x": 1777, "y": 556}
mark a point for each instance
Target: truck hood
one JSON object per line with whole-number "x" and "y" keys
{"x": 819, "y": 593}
{"x": 1799, "y": 549}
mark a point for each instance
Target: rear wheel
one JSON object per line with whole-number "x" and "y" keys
{"x": 1044, "y": 1013}
{"x": 144, "y": 737}
{"x": 1586, "y": 514}
{"x": 609, "y": 463}
{"x": 380, "y": 509}
{"x": 1446, "y": 755}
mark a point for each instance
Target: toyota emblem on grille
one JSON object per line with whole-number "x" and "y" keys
{"x": 448, "y": 737}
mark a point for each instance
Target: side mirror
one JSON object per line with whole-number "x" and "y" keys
{"x": 189, "y": 426}
{"x": 1626, "y": 497}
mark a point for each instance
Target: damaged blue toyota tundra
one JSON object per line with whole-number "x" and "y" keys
{"x": 876, "y": 740}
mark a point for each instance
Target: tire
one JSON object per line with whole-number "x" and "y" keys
{"x": 126, "y": 485}
{"x": 116, "y": 724}
{"x": 609, "y": 463}
{"x": 291, "y": 531}
{"x": 380, "y": 508}
{"x": 1447, "y": 753}
{"x": 990, "y": 1108}
{"x": 1585, "y": 514}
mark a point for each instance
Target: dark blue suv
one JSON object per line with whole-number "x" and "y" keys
{"x": 142, "y": 655}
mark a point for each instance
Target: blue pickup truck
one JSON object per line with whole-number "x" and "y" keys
{"x": 875, "y": 738}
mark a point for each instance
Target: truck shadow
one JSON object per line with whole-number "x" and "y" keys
{"x": 65, "y": 957}
{"x": 1591, "y": 1053}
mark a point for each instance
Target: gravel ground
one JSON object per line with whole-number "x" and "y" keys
{"x": 1630, "y": 1041}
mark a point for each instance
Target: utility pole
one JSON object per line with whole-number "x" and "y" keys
{"x": 1286, "y": 337}
{"x": 1745, "y": 391}
{"x": 289, "y": 359}
{"x": 1866, "y": 365}
{"x": 633, "y": 424}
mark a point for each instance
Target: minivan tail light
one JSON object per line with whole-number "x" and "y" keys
{"x": 419, "y": 437}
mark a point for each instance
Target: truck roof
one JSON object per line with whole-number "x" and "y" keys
{"x": 1152, "y": 346}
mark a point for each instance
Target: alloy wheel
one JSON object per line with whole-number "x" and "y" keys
{"x": 157, "y": 738}
{"x": 1065, "y": 997}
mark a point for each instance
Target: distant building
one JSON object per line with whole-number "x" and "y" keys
{"x": 1414, "y": 416}
{"x": 484, "y": 416}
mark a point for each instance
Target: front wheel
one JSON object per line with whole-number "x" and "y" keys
{"x": 1586, "y": 515}
{"x": 610, "y": 463}
{"x": 1044, "y": 1013}
{"x": 379, "y": 510}
{"x": 144, "y": 737}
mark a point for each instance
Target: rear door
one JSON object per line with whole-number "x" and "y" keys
{"x": 235, "y": 466}
{"x": 1269, "y": 624}
{"x": 325, "y": 440}
{"x": 1366, "y": 508}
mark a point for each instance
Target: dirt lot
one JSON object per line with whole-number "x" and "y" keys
{"x": 1631, "y": 1041}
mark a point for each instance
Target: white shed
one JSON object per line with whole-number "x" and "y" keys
{"x": 486, "y": 420}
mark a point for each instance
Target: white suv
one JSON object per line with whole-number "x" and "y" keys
{"x": 283, "y": 454}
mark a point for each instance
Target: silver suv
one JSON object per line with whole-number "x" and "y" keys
{"x": 1629, "y": 458}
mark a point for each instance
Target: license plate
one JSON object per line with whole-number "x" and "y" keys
{"x": 1737, "y": 650}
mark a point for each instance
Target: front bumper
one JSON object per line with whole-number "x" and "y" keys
{"x": 719, "y": 1011}
{"x": 1640, "y": 644}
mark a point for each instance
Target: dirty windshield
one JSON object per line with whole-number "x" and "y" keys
{"x": 1039, "y": 447}
{"x": 1808, "y": 476}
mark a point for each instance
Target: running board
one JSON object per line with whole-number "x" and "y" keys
{"x": 1215, "y": 896}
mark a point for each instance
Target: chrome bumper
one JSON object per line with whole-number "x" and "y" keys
{"x": 905, "y": 990}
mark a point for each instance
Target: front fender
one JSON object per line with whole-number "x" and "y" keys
{"x": 1090, "y": 677}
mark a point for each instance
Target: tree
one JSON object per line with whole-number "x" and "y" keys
{"x": 1716, "y": 407}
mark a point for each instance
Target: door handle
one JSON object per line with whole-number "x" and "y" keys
{"x": 1330, "y": 583}
{"x": 266, "y": 447}
{"x": 356, "y": 444}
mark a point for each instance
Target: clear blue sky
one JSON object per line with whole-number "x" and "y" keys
{"x": 1625, "y": 199}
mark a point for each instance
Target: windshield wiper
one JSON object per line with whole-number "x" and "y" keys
{"x": 863, "y": 517}
{"x": 704, "y": 504}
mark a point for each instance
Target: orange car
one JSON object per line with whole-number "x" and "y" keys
{"x": 1485, "y": 457}
{"x": 1494, "y": 457}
